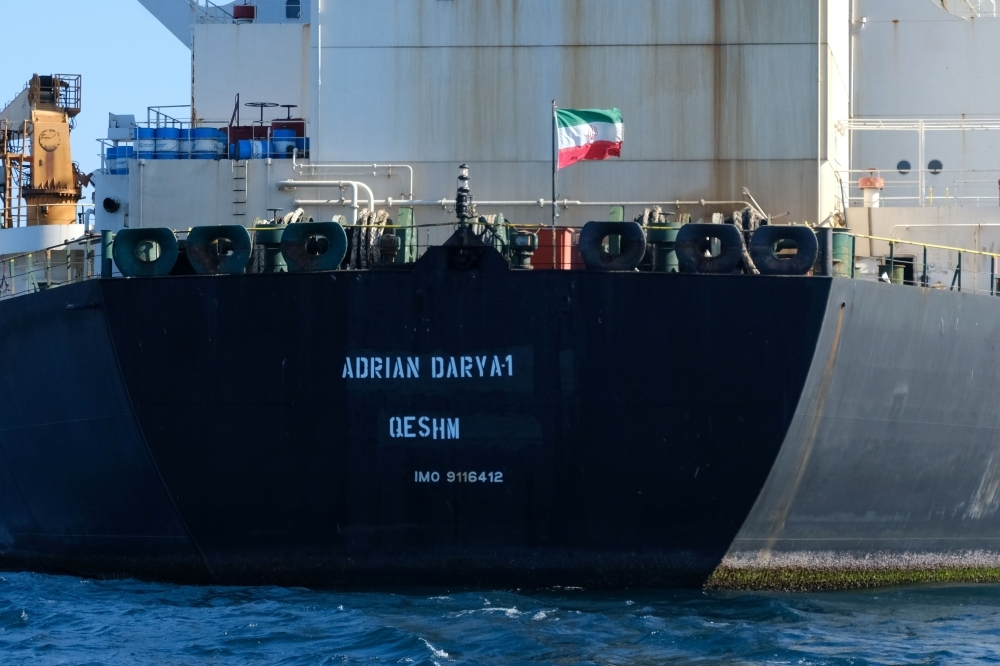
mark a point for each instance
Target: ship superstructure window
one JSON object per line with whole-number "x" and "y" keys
{"x": 293, "y": 9}
{"x": 935, "y": 166}
{"x": 903, "y": 167}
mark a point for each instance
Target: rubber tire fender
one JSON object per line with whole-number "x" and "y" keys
{"x": 206, "y": 261}
{"x": 294, "y": 246}
{"x": 690, "y": 248}
{"x": 768, "y": 263}
{"x": 633, "y": 246}
{"x": 123, "y": 250}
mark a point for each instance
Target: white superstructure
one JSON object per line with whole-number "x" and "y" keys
{"x": 716, "y": 97}
{"x": 791, "y": 99}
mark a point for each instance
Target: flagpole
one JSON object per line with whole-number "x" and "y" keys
{"x": 555, "y": 170}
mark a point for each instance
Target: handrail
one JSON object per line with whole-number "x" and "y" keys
{"x": 928, "y": 245}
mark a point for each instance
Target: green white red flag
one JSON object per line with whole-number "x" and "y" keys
{"x": 588, "y": 134}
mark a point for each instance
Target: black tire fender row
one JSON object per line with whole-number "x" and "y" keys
{"x": 633, "y": 246}
{"x": 694, "y": 241}
{"x": 131, "y": 248}
{"x": 224, "y": 249}
{"x": 313, "y": 246}
{"x": 764, "y": 240}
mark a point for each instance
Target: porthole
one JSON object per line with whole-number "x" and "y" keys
{"x": 903, "y": 167}
{"x": 935, "y": 166}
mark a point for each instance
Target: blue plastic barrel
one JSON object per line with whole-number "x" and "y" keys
{"x": 222, "y": 142}
{"x": 111, "y": 160}
{"x": 283, "y": 143}
{"x": 121, "y": 159}
{"x": 145, "y": 143}
{"x": 241, "y": 150}
{"x": 184, "y": 144}
{"x": 204, "y": 143}
{"x": 302, "y": 144}
{"x": 167, "y": 143}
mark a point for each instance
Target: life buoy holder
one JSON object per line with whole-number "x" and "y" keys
{"x": 132, "y": 248}
{"x": 313, "y": 246}
{"x": 633, "y": 246}
{"x": 693, "y": 244}
{"x": 223, "y": 249}
{"x": 763, "y": 243}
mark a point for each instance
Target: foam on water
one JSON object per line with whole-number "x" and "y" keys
{"x": 60, "y": 620}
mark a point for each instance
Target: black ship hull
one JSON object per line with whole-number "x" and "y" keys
{"x": 489, "y": 428}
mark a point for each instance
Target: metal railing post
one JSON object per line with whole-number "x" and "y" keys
{"x": 854, "y": 248}
{"x": 923, "y": 279}
{"x": 892, "y": 259}
{"x": 960, "y": 271}
{"x": 826, "y": 237}
{"x": 106, "y": 267}
{"x": 993, "y": 269}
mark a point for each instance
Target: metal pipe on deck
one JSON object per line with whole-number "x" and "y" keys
{"x": 541, "y": 203}
{"x": 290, "y": 185}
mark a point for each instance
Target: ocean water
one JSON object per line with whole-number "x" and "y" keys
{"x": 67, "y": 620}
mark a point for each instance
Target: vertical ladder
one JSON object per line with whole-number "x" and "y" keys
{"x": 240, "y": 171}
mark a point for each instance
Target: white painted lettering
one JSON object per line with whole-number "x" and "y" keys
{"x": 424, "y": 427}
{"x": 435, "y": 477}
{"x": 423, "y": 477}
{"x": 457, "y": 367}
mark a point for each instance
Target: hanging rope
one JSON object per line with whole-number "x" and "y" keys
{"x": 748, "y": 220}
{"x": 364, "y": 239}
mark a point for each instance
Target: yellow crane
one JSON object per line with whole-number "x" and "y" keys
{"x": 39, "y": 183}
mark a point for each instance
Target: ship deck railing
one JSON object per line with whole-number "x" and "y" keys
{"x": 30, "y": 272}
{"x": 927, "y": 268}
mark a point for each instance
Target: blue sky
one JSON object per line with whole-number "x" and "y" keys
{"x": 127, "y": 59}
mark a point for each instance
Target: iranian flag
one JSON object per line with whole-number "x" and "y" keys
{"x": 588, "y": 134}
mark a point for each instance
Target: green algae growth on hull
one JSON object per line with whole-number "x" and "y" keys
{"x": 805, "y": 579}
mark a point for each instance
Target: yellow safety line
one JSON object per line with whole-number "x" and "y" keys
{"x": 939, "y": 247}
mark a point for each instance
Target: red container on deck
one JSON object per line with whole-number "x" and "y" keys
{"x": 565, "y": 250}
{"x": 244, "y": 12}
